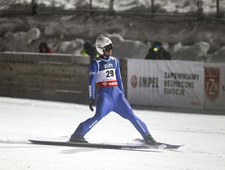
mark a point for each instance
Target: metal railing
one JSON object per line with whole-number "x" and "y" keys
{"x": 153, "y": 9}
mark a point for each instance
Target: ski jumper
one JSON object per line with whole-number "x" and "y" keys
{"x": 105, "y": 73}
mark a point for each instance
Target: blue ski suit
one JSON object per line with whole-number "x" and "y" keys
{"x": 105, "y": 73}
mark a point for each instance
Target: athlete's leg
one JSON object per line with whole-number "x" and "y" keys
{"x": 123, "y": 108}
{"x": 103, "y": 107}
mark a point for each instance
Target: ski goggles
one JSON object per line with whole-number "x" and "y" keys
{"x": 108, "y": 47}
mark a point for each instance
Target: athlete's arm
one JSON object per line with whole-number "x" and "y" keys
{"x": 92, "y": 79}
{"x": 118, "y": 76}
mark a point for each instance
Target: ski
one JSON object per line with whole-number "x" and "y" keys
{"x": 90, "y": 145}
{"x": 137, "y": 147}
{"x": 167, "y": 145}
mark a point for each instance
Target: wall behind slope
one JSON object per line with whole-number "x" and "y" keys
{"x": 44, "y": 76}
{"x": 63, "y": 77}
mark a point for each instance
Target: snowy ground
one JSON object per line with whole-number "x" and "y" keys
{"x": 203, "y": 137}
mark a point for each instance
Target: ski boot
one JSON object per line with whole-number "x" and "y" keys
{"x": 78, "y": 139}
{"x": 149, "y": 140}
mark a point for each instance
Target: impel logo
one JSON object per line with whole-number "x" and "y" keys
{"x": 134, "y": 81}
{"x": 212, "y": 82}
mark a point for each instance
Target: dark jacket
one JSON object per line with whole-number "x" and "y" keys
{"x": 158, "y": 52}
{"x": 89, "y": 50}
{"x": 43, "y": 48}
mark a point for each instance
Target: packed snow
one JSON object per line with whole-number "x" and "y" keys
{"x": 203, "y": 137}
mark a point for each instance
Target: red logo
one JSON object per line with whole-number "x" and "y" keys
{"x": 212, "y": 82}
{"x": 134, "y": 81}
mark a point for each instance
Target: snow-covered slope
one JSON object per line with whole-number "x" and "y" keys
{"x": 203, "y": 137}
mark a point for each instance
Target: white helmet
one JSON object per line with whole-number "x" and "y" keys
{"x": 101, "y": 43}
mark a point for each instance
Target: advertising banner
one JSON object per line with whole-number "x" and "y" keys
{"x": 165, "y": 83}
{"x": 214, "y": 89}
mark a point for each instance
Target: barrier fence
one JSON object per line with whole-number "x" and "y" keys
{"x": 62, "y": 77}
{"x": 57, "y": 77}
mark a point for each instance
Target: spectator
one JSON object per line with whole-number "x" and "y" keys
{"x": 34, "y": 7}
{"x": 158, "y": 52}
{"x": 43, "y": 48}
{"x": 89, "y": 50}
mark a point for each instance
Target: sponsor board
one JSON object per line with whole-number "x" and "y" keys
{"x": 214, "y": 86}
{"x": 165, "y": 83}
{"x": 212, "y": 82}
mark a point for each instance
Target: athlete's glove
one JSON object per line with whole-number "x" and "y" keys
{"x": 91, "y": 103}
